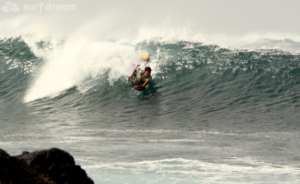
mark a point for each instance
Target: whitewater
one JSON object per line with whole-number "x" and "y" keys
{"x": 223, "y": 105}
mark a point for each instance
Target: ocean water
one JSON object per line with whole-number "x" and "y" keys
{"x": 210, "y": 115}
{"x": 215, "y": 112}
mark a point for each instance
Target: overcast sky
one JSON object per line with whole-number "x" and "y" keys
{"x": 231, "y": 17}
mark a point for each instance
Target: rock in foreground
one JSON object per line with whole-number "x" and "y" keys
{"x": 53, "y": 166}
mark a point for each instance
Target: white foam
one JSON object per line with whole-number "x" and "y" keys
{"x": 77, "y": 59}
{"x": 194, "y": 171}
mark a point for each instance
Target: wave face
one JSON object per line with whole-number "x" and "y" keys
{"x": 195, "y": 86}
{"x": 211, "y": 114}
{"x": 16, "y": 65}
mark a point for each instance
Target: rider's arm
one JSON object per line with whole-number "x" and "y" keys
{"x": 141, "y": 86}
{"x": 136, "y": 68}
{"x": 147, "y": 61}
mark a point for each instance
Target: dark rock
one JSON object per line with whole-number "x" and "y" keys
{"x": 3, "y": 153}
{"x": 52, "y": 166}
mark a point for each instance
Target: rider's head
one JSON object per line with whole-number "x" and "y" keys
{"x": 147, "y": 72}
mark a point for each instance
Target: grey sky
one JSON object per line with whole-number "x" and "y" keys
{"x": 230, "y": 17}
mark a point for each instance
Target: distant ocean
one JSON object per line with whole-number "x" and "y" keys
{"x": 212, "y": 113}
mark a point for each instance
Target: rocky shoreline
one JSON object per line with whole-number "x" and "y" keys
{"x": 53, "y": 166}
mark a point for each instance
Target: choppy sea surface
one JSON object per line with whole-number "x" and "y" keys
{"x": 210, "y": 115}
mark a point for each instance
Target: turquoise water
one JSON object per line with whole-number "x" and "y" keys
{"x": 210, "y": 115}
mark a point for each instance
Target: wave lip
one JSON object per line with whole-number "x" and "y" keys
{"x": 71, "y": 64}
